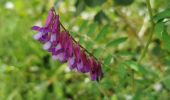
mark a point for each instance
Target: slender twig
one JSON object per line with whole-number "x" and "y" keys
{"x": 152, "y": 29}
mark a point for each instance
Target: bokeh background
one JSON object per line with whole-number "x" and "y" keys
{"x": 115, "y": 31}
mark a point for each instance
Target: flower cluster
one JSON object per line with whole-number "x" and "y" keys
{"x": 64, "y": 48}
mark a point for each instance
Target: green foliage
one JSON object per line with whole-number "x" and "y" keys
{"x": 116, "y": 42}
{"x": 162, "y": 15}
{"x": 107, "y": 30}
{"x": 123, "y": 2}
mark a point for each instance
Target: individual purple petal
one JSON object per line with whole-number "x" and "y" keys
{"x": 71, "y": 62}
{"x": 56, "y": 25}
{"x": 80, "y": 66}
{"x": 36, "y": 28}
{"x": 61, "y": 57}
{"x": 58, "y": 47}
{"x": 50, "y": 17}
{"x": 70, "y": 47}
{"x": 47, "y": 45}
{"x": 37, "y": 36}
{"x": 53, "y": 37}
{"x": 44, "y": 38}
{"x": 77, "y": 52}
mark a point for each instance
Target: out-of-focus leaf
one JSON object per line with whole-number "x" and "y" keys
{"x": 162, "y": 15}
{"x": 107, "y": 60}
{"x": 133, "y": 65}
{"x": 114, "y": 97}
{"x": 80, "y": 6}
{"x": 138, "y": 95}
{"x": 159, "y": 29}
{"x": 98, "y": 52}
{"x": 103, "y": 32}
{"x": 136, "y": 67}
{"x": 122, "y": 71}
{"x": 166, "y": 40}
{"x": 116, "y": 42}
{"x": 125, "y": 53}
{"x": 166, "y": 82}
{"x": 100, "y": 16}
{"x": 83, "y": 25}
{"x": 92, "y": 28}
{"x": 123, "y": 2}
{"x": 94, "y": 3}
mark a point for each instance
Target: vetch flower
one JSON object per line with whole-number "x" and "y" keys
{"x": 64, "y": 48}
{"x": 42, "y": 34}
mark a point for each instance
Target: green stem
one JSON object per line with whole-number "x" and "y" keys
{"x": 151, "y": 32}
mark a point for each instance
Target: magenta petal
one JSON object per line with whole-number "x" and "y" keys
{"x": 56, "y": 26}
{"x": 93, "y": 76}
{"x": 36, "y": 28}
{"x": 49, "y": 18}
{"x": 71, "y": 62}
{"x": 80, "y": 66}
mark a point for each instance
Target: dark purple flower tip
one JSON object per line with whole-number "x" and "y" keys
{"x": 50, "y": 17}
{"x": 36, "y": 28}
{"x": 95, "y": 70}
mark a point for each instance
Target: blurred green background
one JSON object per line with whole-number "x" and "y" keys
{"x": 115, "y": 31}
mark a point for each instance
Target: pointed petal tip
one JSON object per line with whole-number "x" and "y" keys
{"x": 36, "y": 28}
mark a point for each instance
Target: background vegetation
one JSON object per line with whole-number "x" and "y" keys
{"x": 115, "y": 31}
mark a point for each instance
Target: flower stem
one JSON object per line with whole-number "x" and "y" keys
{"x": 151, "y": 31}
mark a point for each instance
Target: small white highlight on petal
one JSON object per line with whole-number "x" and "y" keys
{"x": 53, "y": 37}
{"x": 47, "y": 45}
{"x": 58, "y": 47}
{"x": 80, "y": 65}
{"x": 59, "y": 57}
{"x": 37, "y": 36}
{"x": 71, "y": 61}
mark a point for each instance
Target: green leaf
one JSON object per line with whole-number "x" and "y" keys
{"x": 98, "y": 52}
{"x": 125, "y": 53}
{"x": 166, "y": 82}
{"x": 133, "y": 65}
{"x": 123, "y": 2}
{"x": 80, "y": 6}
{"x": 103, "y": 32}
{"x": 116, "y": 42}
{"x": 101, "y": 16}
{"x": 83, "y": 25}
{"x": 107, "y": 60}
{"x": 92, "y": 28}
{"x": 94, "y": 3}
{"x": 162, "y": 15}
{"x": 166, "y": 40}
{"x": 159, "y": 28}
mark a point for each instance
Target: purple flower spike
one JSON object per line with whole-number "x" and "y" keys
{"x": 64, "y": 48}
